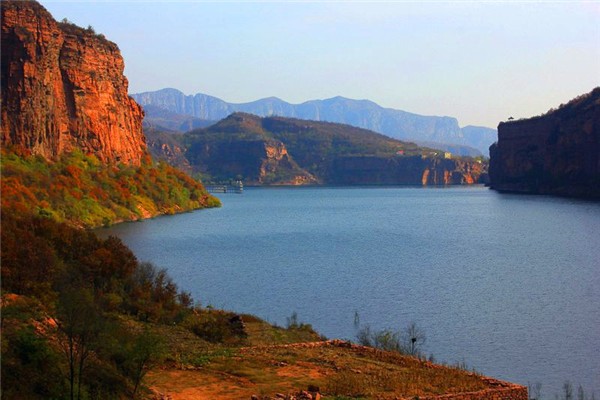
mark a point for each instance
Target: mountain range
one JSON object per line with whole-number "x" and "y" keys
{"x": 438, "y": 132}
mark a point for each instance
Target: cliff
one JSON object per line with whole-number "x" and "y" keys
{"x": 415, "y": 170}
{"x": 240, "y": 148}
{"x": 556, "y": 153}
{"x": 63, "y": 89}
{"x": 64, "y": 97}
{"x": 277, "y": 150}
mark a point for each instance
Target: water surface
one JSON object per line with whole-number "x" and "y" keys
{"x": 509, "y": 284}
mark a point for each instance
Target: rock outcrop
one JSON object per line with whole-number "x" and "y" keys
{"x": 63, "y": 89}
{"x": 415, "y": 170}
{"x": 239, "y": 148}
{"x": 556, "y": 153}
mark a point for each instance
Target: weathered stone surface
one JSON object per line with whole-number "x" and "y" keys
{"x": 63, "y": 89}
{"x": 364, "y": 170}
{"x": 557, "y": 153}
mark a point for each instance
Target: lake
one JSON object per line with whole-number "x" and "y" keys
{"x": 508, "y": 284}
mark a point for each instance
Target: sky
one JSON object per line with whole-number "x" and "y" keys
{"x": 480, "y": 62}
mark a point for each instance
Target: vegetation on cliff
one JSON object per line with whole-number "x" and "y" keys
{"x": 79, "y": 189}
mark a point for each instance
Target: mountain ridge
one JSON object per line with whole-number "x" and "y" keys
{"x": 277, "y": 150}
{"x": 397, "y": 124}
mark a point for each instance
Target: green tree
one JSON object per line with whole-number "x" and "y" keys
{"x": 144, "y": 351}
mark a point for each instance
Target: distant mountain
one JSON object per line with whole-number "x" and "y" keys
{"x": 457, "y": 149}
{"x": 556, "y": 153}
{"x": 360, "y": 113}
{"x": 161, "y": 118}
{"x": 480, "y": 137}
{"x": 277, "y": 150}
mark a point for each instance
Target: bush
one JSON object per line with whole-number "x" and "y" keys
{"x": 213, "y": 326}
{"x": 408, "y": 341}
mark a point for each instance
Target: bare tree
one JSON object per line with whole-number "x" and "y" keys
{"x": 79, "y": 325}
{"x": 413, "y": 339}
{"x": 535, "y": 391}
{"x": 568, "y": 390}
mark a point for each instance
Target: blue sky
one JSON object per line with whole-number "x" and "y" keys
{"x": 480, "y": 62}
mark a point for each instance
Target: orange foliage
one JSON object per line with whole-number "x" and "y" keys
{"x": 78, "y": 189}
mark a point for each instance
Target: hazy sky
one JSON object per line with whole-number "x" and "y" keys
{"x": 480, "y": 62}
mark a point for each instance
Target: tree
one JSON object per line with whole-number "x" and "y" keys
{"x": 535, "y": 391}
{"x": 568, "y": 390}
{"x": 79, "y": 324}
{"x": 144, "y": 351}
{"x": 413, "y": 339}
{"x": 408, "y": 341}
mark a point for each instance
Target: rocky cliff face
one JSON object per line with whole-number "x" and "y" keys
{"x": 557, "y": 153}
{"x": 167, "y": 146}
{"x": 279, "y": 150}
{"x": 239, "y": 148}
{"x": 403, "y": 170}
{"x": 63, "y": 88}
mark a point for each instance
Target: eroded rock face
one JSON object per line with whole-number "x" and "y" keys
{"x": 365, "y": 170}
{"x": 63, "y": 89}
{"x": 557, "y": 153}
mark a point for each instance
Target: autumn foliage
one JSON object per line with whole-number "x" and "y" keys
{"x": 79, "y": 189}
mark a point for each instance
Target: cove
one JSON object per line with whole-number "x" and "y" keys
{"x": 509, "y": 284}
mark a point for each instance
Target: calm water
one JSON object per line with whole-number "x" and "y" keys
{"x": 508, "y": 284}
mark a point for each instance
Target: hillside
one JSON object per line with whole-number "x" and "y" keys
{"x": 277, "y": 150}
{"x": 80, "y": 190}
{"x": 556, "y": 153}
{"x": 398, "y": 124}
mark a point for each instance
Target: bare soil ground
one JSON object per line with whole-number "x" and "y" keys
{"x": 337, "y": 368}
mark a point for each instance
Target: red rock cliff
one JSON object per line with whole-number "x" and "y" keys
{"x": 557, "y": 153}
{"x": 63, "y": 88}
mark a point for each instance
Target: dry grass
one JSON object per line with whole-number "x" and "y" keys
{"x": 339, "y": 370}
{"x": 265, "y": 363}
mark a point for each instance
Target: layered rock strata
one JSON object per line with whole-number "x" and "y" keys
{"x": 556, "y": 153}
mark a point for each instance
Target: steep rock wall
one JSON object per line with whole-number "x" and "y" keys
{"x": 63, "y": 89}
{"x": 255, "y": 161}
{"x": 366, "y": 170}
{"x": 557, "y": 153}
